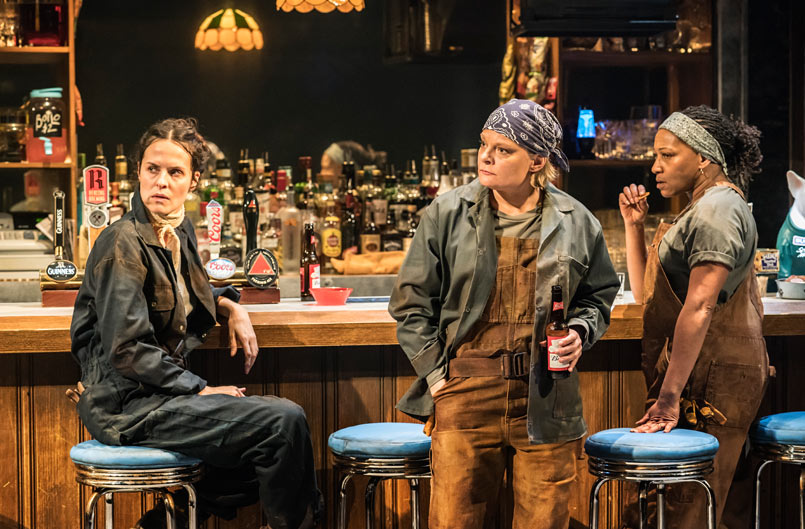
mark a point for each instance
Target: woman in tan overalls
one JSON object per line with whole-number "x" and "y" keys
{"x": 703, "y": 347}
{"x": 472, "y": 301}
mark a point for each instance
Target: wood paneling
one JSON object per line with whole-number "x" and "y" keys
{"x": 338, "y": 387}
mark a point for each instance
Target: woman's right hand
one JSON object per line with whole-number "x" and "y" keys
{"x": 233, "y": 391}
{"x": 633, "y": 210}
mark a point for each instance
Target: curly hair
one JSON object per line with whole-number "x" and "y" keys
{"x": 739, "y": 141}
{"x": 183, "y": 131}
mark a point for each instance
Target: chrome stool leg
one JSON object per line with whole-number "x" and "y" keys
{"x": 594, "y": 501}
{"x": 711, "y": 503}
{"x": 89, "y": 512}
{"x": 369, "y": 498}
{"x": 642, "y": 503}
{"x": 414, "y": 484}
{"x": 756, "y": 486}
{"x": 660, "y": 505}
{"x": 170, "y": 509}
{"x": 109, "y": 510}
{"x": 802, "y": 496}
{"x": 192, "y": 503}
{"x": 342, "y": 502}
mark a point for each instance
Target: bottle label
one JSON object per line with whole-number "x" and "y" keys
{"x": 392, "y": 245}
{"x": 370, "y": 243}
{"x": 380, "y": 210}
{"x": 47, "y": 123}
{"x": 558, "y": 305}
{"x": 331, "y": 239}
{"x": 554, "y": 364}
{"x": 315, "y": 276}
{"x": 271, "y": 243}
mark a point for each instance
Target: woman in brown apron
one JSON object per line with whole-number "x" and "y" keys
{"x": 704, "y": 357}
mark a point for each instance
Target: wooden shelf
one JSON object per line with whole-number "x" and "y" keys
{"x": 611, "y": 163}
{"x": 33, "y": 54}
{"x": 628, "y": 58}
{"x": 26, "y": 165}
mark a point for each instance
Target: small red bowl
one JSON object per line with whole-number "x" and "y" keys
{"x": 331, "y": 296}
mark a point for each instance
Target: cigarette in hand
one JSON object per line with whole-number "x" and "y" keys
{"x": 643, "y": 195}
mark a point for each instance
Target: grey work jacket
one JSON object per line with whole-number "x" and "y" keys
{"x": 446, "y": 279}
{"x": 130, "y": 333}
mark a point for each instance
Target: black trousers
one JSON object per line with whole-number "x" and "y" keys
{"x": 254, "y": 448}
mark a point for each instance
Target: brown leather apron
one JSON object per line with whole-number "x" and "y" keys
{"x": 730, "y": 373}
{"x": 481, "y": 417}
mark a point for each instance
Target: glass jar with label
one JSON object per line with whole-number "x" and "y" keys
{"x": 46, "y": 127}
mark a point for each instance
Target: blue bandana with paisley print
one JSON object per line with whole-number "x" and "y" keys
{"x": 532, "y": 127}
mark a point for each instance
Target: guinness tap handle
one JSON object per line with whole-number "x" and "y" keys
{"x": 58, "y": 224}
{"x": 250, "y": 218}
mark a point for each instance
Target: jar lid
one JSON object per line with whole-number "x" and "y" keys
{"x": 47, "y": 92}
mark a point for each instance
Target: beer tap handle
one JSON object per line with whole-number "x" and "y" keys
{"x": 58, "y": 224}
{"x": 250, "y": 219}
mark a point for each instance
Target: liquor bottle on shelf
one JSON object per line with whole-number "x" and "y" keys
{"x": 122, "y": 176}
{"x": 446, "y": 178}
{"x": 380, "y": 202}
{"x": 426, "y": 161}
{"x": 230, "y": 248}
{"x": 235, "y": 218}
{"x": 390, "y": 238}
{"x": 244, "y": 169}
{"x": 331, "y": 237}
{"x": 370, "y": 237}
{"x": 309, "y": 269}
{"x": 291, "y": 234}
{"x": 212, "y": 191}
{"x": 226, "y": 187}
{"x": 116, "y": 209}
{"x": 556, "y": 330}
{"x": 469, "y": 165}
{"x": 271, "y": 237}
{"x": 100, "y": 159}
{"x": 281, "y": 178}
{"x": 408, "y": 235}
{"x": 350, "y": 232}
{"x": 433, "y": 177}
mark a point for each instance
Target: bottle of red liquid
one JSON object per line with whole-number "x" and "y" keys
{"x": 309, "y": 270}
{"x": 556, "y": 330}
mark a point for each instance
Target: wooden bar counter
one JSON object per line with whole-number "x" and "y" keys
{"x": 343, "y": 365}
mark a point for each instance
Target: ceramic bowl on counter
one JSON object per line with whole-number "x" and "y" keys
{"x": 331, "y": 296}
{"x": 790, "y": 289}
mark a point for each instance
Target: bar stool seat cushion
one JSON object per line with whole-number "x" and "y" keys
{"x": 96, "y": 454}
{"x": 619, "y": 444}
{"x": 381, "y": 439}
{"x": 781, "y": 428}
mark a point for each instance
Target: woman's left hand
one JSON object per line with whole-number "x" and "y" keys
{"x": 662, "y": 415}
{"x": 241, "y": 332}
{"x": 569, "y": 349}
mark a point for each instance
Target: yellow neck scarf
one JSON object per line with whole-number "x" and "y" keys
{"x": 165, "y": 229}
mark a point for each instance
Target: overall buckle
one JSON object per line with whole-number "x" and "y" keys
{"x": 514, "y": 365}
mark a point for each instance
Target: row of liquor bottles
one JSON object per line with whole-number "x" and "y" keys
{"x": 361, "y": 210}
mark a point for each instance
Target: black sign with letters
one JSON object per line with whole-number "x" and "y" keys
{"x": 47, "y": 123}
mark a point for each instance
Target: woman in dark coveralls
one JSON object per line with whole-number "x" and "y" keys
{"x": 702, "y": 326}
{"x": 474, "y": 293}
{"x": 144, "y": 305}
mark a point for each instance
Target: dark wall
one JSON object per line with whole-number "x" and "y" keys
{"x": 318, "y": 79}
{"x": 770, "y": 95}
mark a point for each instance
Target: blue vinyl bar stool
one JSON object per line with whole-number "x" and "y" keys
{"x": 111, "y": 469}
{"x": 780, "y": 437}
{"x": 651, "y": 459}
{"x": 380, "y": 450}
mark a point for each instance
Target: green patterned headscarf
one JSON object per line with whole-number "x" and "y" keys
{"x": 696, "y": 137}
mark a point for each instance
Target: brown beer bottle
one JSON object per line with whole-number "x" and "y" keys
{"x": 309, "y": 271}
{"x": 556, "y": 330}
